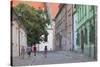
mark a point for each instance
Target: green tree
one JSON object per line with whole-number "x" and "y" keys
{"x": 35, "y": 22}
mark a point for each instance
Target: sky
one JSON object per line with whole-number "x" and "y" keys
{"x": 53, "y": 6}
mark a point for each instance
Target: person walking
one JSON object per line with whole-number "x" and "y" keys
{"x": 23, "y": 51}
{"x": 34, "y": 49}
{"x": 45, "y": 51}
{"x": 29, "y": 51}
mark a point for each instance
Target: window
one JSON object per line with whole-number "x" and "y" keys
{"x": 46, "y": 38}
{"x": 79, "y": 13}
{"x": 95, "y": 7}
{"x": 85, "y": 10}
{"x": 82, "y": 11}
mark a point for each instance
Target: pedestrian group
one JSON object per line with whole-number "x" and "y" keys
{"x": 32, "y": 49}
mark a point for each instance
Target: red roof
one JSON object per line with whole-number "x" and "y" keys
{"x": 39, "y": 5}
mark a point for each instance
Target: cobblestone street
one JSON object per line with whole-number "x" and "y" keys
{"x": 52, "y": 58}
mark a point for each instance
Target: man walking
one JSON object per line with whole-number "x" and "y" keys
{"x": 23, "y": 51}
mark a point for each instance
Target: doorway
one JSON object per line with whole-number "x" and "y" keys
{"x": 82, "y": 41}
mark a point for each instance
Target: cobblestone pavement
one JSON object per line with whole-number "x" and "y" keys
{"x": 52, "y": 58}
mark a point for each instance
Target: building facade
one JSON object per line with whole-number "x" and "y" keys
{"x": 86, "y": 29}
{"x": 19, "y": 36}
{"x": 63, "y": 28}
{"x": 50, "y": 31}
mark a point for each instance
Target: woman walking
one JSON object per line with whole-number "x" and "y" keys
{"x": 34, "y": 49}
{"x": 45, "y": 51}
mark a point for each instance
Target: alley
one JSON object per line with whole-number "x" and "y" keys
{"x": 53, "y": 28}
{"x": 52, "y": 58}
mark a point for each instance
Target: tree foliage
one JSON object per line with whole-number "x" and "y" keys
{"x": 35, "y": 22}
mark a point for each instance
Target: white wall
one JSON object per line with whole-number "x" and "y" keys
{"x": 49, "y": 43}
{"x": 15, "y": 38}
{"x": 50, "y": 40}
{"x": 23, "y": 37}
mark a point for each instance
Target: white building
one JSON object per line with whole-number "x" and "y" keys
{"x": 49, "y": 42}
{"x": 19, "y": 36}
{"x": 50, "y": 31}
